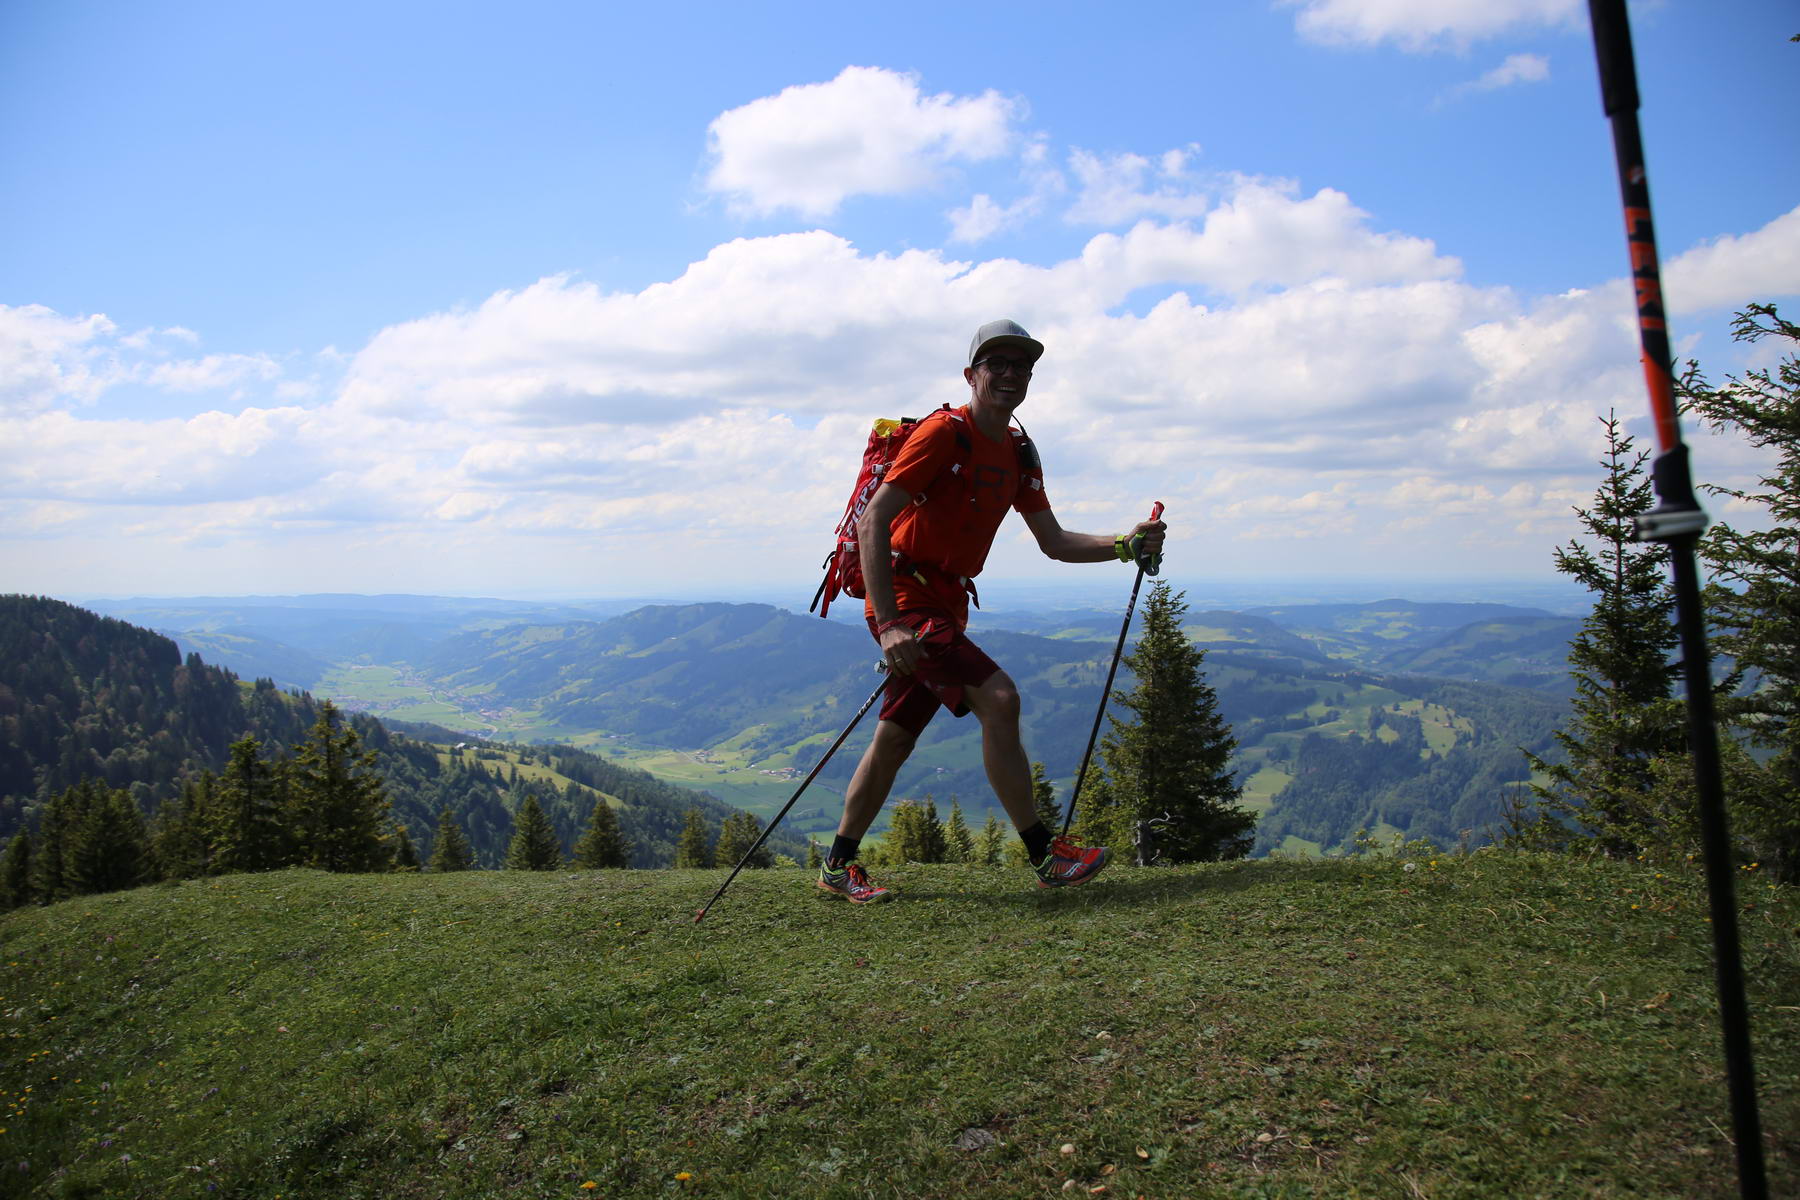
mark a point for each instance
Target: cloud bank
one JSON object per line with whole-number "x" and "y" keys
{"x": 1306, "y": 390}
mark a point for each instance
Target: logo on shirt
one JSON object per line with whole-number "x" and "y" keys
{"x": 992, "y": 488}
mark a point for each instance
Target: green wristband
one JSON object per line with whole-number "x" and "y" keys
{"x": 1122, "y": 548}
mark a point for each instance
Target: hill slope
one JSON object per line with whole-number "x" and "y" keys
{"x": 84, "y": 696}
{"x": 1481, "y": 1026}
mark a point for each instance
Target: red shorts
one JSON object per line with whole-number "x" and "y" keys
{"x": 950, "y": 666}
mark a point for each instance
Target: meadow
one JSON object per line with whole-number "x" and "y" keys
{"x": 1451, "y": 1025}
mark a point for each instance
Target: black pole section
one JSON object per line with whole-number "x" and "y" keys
{"x": 1677, "y": 522}
{"x": 1106, "y": 692}
{"x": 804, "y": 783}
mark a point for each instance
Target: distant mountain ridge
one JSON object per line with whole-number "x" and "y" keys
{"x": 741, "y": 693}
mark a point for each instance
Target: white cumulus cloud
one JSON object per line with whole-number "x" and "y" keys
{"x": 46, "y": 357}
{"x": 1121, "y": 188}
{"x": 1426, "y": 24}
{"x": 1735, "y": 270}
{"x": 870, "y": 131}
{"x": 1312, "y": 391}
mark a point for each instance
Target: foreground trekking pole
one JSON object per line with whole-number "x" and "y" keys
{"x": 1144, "y": 567}
{"x": 1677, "y": 523}
{"x": 810, "y": 776}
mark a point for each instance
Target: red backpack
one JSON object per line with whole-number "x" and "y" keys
{"x": 843, "y": 566}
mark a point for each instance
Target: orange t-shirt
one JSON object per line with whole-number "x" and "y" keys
{"x": 959, "y": 499}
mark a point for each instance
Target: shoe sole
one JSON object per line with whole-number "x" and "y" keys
{"x": 1063, "y": 883}
{"x": 831, "y": 891}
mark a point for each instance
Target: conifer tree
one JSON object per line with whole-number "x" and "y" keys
{"x": 914, "y": 834}
{"x": 112, "y": 849}
{"x": 54, "y": 874}
{"x": 1173, "y": 754}
{"x": 739, "y": 833}
{"x": 179, "y": 841}
{"x": 242, "y": 823}
{"x": 1754, "y": 598}
{"x": 406, "y": 856}
{"x": 695, "y": 847}
{"x": 1043, "y": 795}
{"x": 337, "y": 803}
{"x": 1101, "y": 820}
{"x": 602, "y": 845}
{"x": 450, "y": 847}
{"x": 815, "y": 858}
{"x": 959, "y": 846}
{"x": 933, "y": 845}
{"x": 991, "y": 848}
{"x": 534, "y": 846}
{"x": 15, "y": 872}
{"x": 1621, "y": 721}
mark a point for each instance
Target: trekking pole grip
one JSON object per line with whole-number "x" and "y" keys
{"x": 1151, "y": 564}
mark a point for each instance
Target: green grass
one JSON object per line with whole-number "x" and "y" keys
{"x": 1480, "y": 1026}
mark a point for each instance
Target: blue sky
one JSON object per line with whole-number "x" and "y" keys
{"x": 577, "y": 299}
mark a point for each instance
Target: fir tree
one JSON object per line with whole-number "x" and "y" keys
{"x": 450, "y": 847}
{"x": 959, "y": 846}
{"x": 1754, "y": 599}
{"x": 1100, "y": 820}
{"x": 739, "y": 833}
{"x": 991, "y": 848}
{"x": 602, "y": 845}
{"x": 179, "y": 842}
{"x": 1043, "y": 796}
{"x": 242, "y": 822}
{"x": 61, "y": 823}
{"x": 534, "y": 846}
{"x": 112, "y": 849}
{"x": 1174, "y": 754}
{"x": 914, "y": 834}
{"x": 1621, "y": 720}
{"x": 695, "y": 847}
{"x": 815, "y": 857}
{"x": 15, "y": 872}
{"x": 406, "y": 857}
{"x": 337, "y": 804}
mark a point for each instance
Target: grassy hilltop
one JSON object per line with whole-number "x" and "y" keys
{"x": 1489, "y": 1025}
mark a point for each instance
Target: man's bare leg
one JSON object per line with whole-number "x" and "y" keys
{"x": 874, "y": 778}
{"x": 996, "y": 705}
{"x": 1057, "y": 864}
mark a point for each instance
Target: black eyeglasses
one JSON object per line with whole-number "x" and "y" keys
{"x": 1000, "y": 366}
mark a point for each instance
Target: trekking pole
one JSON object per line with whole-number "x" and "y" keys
{"x": 1677, "y": 523}
{"x": 810, "y": 776}
{"x": 1152, "y": 566}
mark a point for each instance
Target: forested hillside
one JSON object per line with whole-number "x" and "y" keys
{"x": 1328, "y": 748}
{"x": 741, "y": 699}
{"x": 84, "y": 697}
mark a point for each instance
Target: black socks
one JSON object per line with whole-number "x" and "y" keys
{"x": 1037, "y": 842}
{"x": 843, "y": 850}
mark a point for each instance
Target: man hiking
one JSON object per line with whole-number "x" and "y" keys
{"x": 923, "y": 538}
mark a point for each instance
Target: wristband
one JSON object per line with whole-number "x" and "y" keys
{"x": 1122, "y": 548}
{"x": 887, "y": 625}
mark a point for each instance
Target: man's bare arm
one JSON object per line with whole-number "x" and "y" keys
{"x": 1065, "y": 545}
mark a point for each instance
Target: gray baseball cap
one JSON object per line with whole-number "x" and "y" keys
{"x": 998, "y": 334}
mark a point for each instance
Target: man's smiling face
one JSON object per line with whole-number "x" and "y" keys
{"x": 1000, "y": 378}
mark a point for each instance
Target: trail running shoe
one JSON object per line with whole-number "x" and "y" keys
{"x": 852, "y": 883}
{"x": 1068, "y": 864}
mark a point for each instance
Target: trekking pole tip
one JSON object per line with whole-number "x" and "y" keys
{"x": 698, "y": 915}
